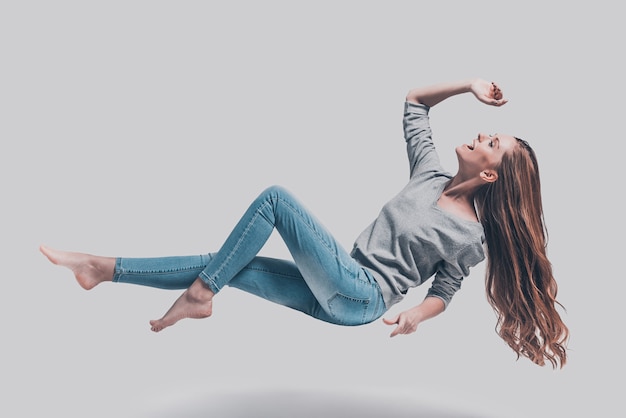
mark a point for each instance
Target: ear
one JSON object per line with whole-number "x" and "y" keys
{"x": 489, "y": 175}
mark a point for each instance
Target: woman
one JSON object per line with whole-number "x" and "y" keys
{"x": 437, "y": 227}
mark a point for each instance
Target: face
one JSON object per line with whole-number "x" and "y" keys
{"x": 484, "y": 152}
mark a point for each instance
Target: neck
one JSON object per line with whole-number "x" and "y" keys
{"x": 461, "y": 190}
{"x": 458, "y": 198}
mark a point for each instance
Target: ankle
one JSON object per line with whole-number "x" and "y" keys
{"x": 200, "y": 291}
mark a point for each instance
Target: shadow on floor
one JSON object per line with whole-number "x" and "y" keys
{"x": 300, "y": 404}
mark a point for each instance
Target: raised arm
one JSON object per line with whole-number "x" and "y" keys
{"x": 485, "y": 91}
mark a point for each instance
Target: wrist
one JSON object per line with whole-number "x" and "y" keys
{"x": 471, "y": 83}
{"x": 462, "y": 86}
{"x": 417, "y": 312}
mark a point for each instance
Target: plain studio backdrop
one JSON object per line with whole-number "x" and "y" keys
{"x": 145, "y": 128}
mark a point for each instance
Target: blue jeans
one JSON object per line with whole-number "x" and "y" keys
{"x": 323, "y": 280}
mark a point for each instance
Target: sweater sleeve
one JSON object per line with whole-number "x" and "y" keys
{"x": 449, "y": 275}
{"x": 418, "y": 136}
{"x": 444, "y": 286}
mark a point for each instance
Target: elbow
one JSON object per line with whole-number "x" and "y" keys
{"x": 416, "y": 96}
{"x": 411, "y": 97}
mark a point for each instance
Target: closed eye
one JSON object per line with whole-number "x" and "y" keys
{"x": 492, "y": 143}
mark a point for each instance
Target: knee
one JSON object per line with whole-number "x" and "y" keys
{"x": 275, "y": 199}
{"x": 275, "y": 192}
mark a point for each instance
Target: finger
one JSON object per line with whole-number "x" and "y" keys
{"x": 395, "y": 332}
{"x": 400, "y": 328}
{"x": 498, "y": 92}
{"x": 391, "y": 321}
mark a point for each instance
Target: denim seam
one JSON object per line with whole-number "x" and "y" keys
{"x": 131, "y": 271}
{"x": 120, "y": 271}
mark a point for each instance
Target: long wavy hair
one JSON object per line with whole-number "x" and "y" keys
{"x": 519, "y": 282}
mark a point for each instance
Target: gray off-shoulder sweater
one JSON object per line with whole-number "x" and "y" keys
{"x": 412, "y": 239}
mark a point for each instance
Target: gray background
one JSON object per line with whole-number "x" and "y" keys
{"x": 144, "y": 128}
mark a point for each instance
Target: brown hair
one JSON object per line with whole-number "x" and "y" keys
{"x": 519, "y": 282}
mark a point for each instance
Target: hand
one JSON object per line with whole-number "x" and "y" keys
{"x": 488, "y": 93}
{"x": 407, "y": 322}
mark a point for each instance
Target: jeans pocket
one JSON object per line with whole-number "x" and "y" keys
{"x": 347, "y": 310}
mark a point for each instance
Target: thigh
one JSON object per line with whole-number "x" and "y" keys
{"x": 328, "y": 269}
{"x": 279, "y": 281}
{"x": 282, "y": 282}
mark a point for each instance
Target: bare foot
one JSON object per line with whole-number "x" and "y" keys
{"x": 196, "y": 302}
{"x": 90, "y": 270}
